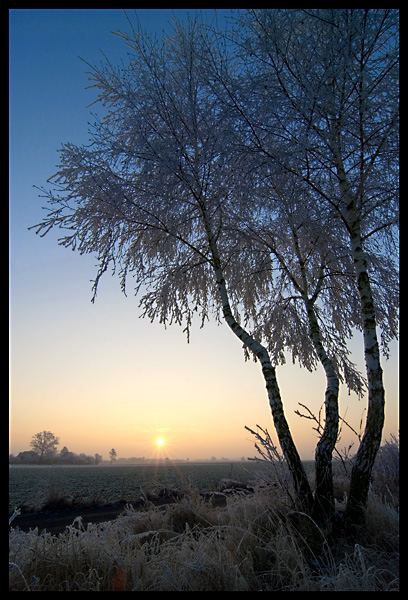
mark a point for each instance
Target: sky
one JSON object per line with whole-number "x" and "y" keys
{"x": 97, "y": 375}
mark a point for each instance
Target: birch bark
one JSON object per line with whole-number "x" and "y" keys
{"x": 324, "y": 492}
{"x": 323, "y": 507}
{"x": 335, "y": 72}
{"x": 323, "y": 504}
{"x": 302, "y": 487}
{"x": 370, "y": 443}
{"x": 371, "y": 440}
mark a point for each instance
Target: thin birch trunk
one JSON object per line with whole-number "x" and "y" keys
{"x": 370, "y": 443}
{"x": 324, "y": 493}
{"x": 323, "y": 504}
{"x": 301, "y": 483}
{"x": 364, "y": 460}
{"x": 323, "y": 507}
{"x": 302, "y": 487}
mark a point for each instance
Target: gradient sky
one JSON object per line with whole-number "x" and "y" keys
{"x": 97, "y": 375}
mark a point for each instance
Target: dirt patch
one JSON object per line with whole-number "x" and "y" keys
{"x": 56, "y": 521}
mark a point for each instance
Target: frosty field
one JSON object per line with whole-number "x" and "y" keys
{"x": 103, "y": 484}
{"x": 250, "y": 544}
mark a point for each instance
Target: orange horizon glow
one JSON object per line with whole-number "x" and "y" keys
{"x": 199, "y": 406}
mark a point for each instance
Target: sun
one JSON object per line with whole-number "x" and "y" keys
{"x": 160, "y": 442}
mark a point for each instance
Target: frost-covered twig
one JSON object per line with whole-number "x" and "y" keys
{"x": 270, "y": 454}
{"x": 15, "y": 514}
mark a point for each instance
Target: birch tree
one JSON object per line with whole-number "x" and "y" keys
{"x": 156, "y": 196}
{"x": 311, "y": 278}
{"x": 323, "y": 85}
{"x": 172, "y": 192}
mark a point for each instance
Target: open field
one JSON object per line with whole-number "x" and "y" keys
{"x": 254, "y": 542}
{"x": 31, "y": 485}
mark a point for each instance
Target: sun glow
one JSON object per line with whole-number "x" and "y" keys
{"x": 160, "y": 442}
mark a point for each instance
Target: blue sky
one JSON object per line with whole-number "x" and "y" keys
{"x": 88, "y": 373}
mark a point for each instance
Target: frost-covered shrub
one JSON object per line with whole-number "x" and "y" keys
{"x": 386, "y": 471}
{"x": 387, "y": 460}
{"x": 252, "y": 544}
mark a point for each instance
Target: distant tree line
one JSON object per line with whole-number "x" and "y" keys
{"x": 44, "y": 451}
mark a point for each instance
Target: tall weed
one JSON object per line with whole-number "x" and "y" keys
{"x": 255, "y": 543}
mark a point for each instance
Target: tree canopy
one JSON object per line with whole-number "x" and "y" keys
{"x": 252, "y": 176}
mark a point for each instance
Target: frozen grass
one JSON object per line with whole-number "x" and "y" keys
{"x": 255, "y": 543}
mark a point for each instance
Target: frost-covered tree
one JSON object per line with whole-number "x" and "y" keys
{"x": 310, "y": 308}
{"x": 188, "y": 186}
{"x": 320, "y": 100}
{"x": 44, "y": 444}
{"x": 157, "y": 194}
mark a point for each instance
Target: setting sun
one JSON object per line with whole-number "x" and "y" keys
{"x": 160, "y": 442}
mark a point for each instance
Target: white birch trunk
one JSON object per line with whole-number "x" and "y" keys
{"x": 323, "y": 507}
{"x": 302, "y": 487}
{"x": 371, "y": 440}
{"x": 301, "y": 484}
{"x": 370, "y": 443}
{"x": 324, "y": 492}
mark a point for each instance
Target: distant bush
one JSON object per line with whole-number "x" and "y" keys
{"x": 28, "y": 457}
{"x": 65, "y": 457}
